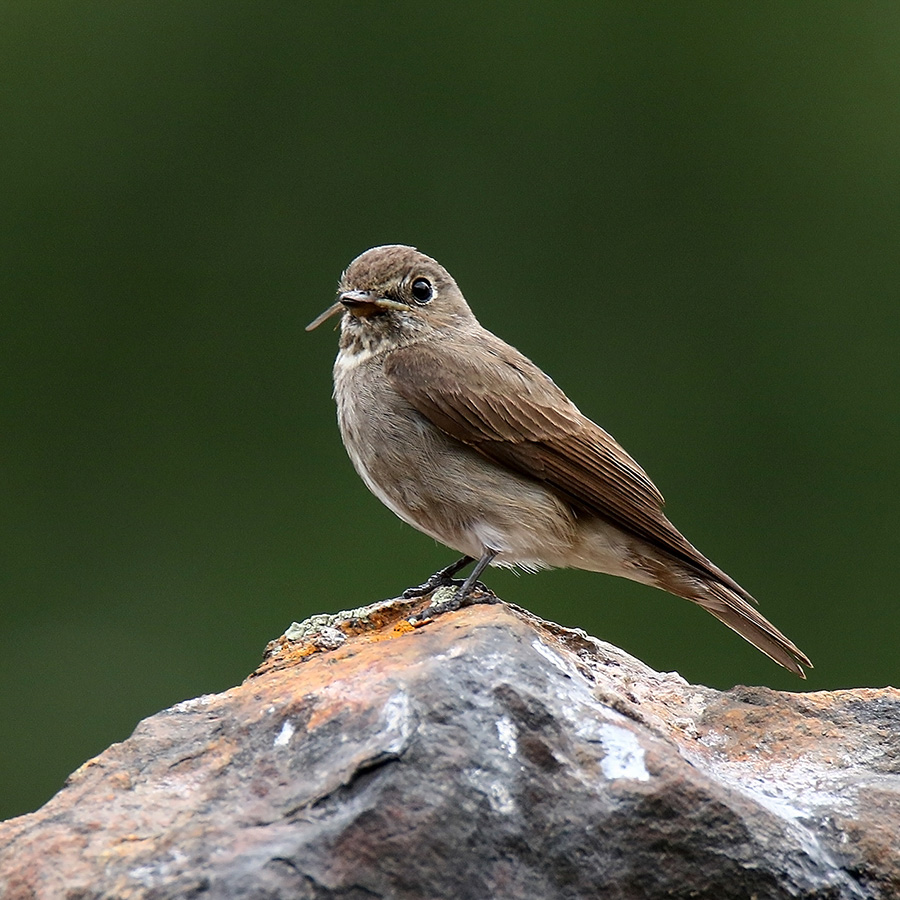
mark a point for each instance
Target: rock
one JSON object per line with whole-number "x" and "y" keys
{"x": 486, "y": 754}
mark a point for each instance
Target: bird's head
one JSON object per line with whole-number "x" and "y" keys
{"x": 395, "y": 292}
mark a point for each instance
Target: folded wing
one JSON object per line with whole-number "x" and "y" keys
{"x": 515, "y": 415}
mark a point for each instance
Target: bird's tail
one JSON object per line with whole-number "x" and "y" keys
{"x": 735, "y": 612}
{"x": 689, "y": 575}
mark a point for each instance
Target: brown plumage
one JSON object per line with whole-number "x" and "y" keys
{"x": 466, "y": 439}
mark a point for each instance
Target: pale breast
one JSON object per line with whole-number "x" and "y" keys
{"x": 438, "y": 485}
{"x": 390, "y": 444}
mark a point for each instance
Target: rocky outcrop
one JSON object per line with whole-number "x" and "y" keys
{"x": 486, "y": 754}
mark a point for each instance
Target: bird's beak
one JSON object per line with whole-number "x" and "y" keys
{"x": 357, "y": 302}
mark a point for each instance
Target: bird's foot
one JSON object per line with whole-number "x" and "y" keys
{"x": 431, "y": 585}
{"x": 442, "y": 578}
{"x": 452, "y": 596}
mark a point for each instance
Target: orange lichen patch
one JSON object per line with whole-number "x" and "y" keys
{"x": 382, "y": 621}
{"x": 383, "y": 616}
{"x": 387, "y": 634}
{"x": 283, "y": 652}
{"x": 379, "y": 622}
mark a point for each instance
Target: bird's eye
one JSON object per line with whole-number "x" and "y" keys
{"x": 422, "y": 291}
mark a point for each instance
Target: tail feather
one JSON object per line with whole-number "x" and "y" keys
{"x": 741, "y": 617}
{"x": 601, "y": 548}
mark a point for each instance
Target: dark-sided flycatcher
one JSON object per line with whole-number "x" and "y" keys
{"x": 469, "y": 441}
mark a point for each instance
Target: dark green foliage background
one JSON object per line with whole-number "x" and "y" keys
{"x": 686, "y": 212}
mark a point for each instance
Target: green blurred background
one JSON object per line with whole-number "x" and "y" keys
{"x": 687, "y": 213}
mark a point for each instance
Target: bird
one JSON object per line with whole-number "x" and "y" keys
{"x": 467, "y": 440}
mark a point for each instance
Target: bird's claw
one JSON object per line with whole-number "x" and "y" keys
{"x": 444, "y": 601}
{"x": 433, "y": 583}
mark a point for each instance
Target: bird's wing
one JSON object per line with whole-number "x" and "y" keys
{"x": 513, "y": 414}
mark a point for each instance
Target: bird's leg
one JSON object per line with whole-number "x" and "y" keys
{"x": 462, "y": 593}
{"x": 441, "y": 578}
